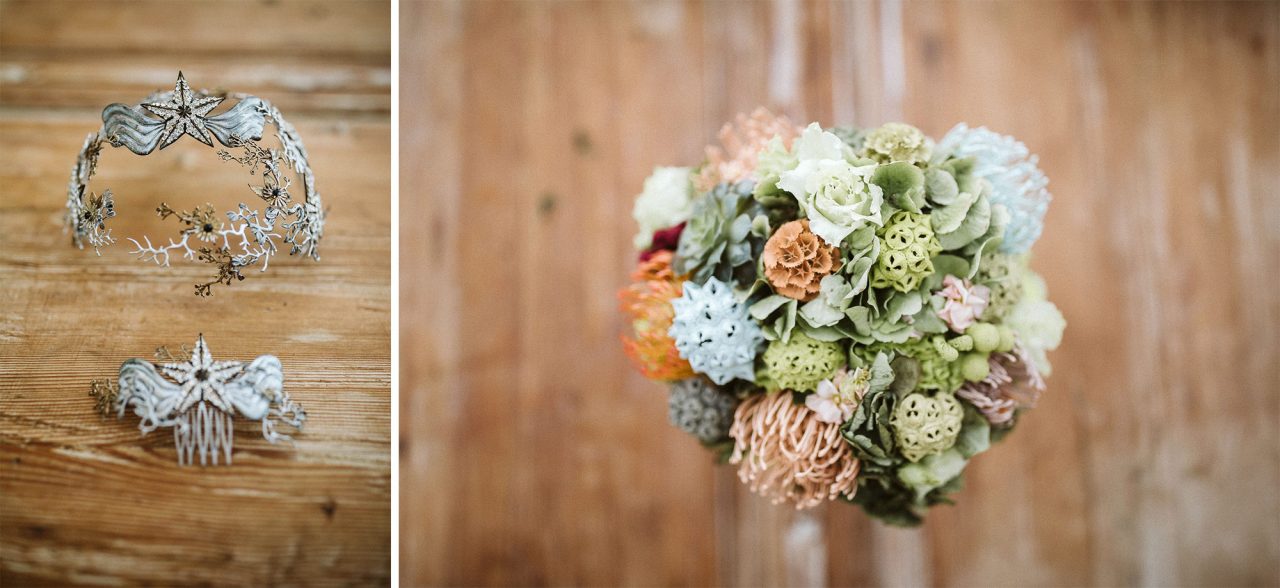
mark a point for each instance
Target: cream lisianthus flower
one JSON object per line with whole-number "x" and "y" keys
{"x": 837, "y": 196}
{"x": 667, "y": 200}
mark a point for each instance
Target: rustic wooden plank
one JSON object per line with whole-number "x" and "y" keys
{"x": 430, "y": 390}
{"x": 496, "y": 479}
{"x": 296, "y": 84}
{"x": 86, "y": 500}
{"x": 306, "y": 56}
{"x": 263, "y": 29}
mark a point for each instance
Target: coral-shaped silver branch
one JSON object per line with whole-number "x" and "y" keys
{"x": 248, "y": 237}
{"x": 199, "y": 399}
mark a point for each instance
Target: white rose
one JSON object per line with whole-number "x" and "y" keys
{"x": 667, "y": 200}
{"x": 836, "y": 196}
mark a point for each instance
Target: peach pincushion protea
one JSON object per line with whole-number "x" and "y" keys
{"x": 785, "y": 452}
{"x": 743, "y": 142}
{"x": 796, "y": 260}
{"x": 648, "y": 302}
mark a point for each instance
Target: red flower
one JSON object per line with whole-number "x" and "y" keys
{"x": 664, "y": 240}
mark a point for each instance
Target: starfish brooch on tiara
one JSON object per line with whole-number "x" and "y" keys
{"x": 184, "y": 113}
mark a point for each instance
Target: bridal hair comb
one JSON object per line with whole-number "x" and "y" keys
{"x": 199, "y": 398}
{"x": 248, "y": 236}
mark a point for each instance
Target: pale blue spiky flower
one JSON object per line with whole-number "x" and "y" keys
{"x": 714, "y": 332}
{"x": 1016, "y": 180}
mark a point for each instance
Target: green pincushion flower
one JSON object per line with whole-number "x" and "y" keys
{"x": 716, "y": 241}
{"x": 925, "y": 425}
{"x": 801, "y": 362}
{"x": 907, "y": 247}
{"x": 897, "y": 142}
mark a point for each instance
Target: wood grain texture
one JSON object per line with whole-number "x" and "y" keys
{"x": 84, "y": 499}
{"x": 532, "y": 454}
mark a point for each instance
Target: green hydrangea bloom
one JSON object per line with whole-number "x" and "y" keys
{"x": 898, "y": 142}
{"x": 716, "y": 240}
{"x": 925, "y": 425}
{"x": 801, "y": 362}
{"x": 1002, "y": 274}
{"x": 907, "y": 246}
{"x": 851, "y": 135}
{"x": 770, "y": 164}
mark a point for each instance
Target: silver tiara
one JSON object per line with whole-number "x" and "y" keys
{"x": 199, "y": 398}
{"x": 248, "y": 236}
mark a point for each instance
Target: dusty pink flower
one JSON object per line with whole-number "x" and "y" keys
{"x": 1013, "y": 383}
{"x": 964, "y": 302}
{"x": 742, "y": 144}
{"x": 838, "y": 396}
{"x": 785, "y": 453}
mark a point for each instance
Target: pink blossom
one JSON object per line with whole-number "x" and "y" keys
{"x": 964, "y": 304}
{"x": 838, "y": 396}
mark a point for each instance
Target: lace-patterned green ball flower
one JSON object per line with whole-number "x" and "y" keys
{"x": 802, "y": 362}
{"x": 925, "y": 425}
{"x": 938, "y": 363}
{"x": 701, "y": 409}
{"x": 906, "y": 253}
{"x": 1002, "y": 274}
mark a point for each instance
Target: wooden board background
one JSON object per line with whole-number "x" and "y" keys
{"x": 532, "y": 454}
{"x": 85, "y": 499}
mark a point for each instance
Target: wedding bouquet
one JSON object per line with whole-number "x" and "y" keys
{"x": 845, "y": 313}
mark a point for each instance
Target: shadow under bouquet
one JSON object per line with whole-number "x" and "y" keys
{"x": 845, "y": 313}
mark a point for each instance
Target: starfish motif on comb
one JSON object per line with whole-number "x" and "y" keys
{"x": 199, "y": 399}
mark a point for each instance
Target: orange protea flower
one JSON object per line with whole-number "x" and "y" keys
{"x": 743, "y": 142}
{"x": 796, "y": 260}
{"x": 648, "y": 301}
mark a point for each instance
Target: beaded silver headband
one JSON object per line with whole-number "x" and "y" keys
{"x": 248, "y": 237}
{"x": 199, "y": 399}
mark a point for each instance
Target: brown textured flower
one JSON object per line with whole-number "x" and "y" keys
{"x": 796, "y": 260}
{"x": 743, "y": 141}
{"x": 788, "y": 454}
